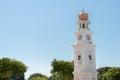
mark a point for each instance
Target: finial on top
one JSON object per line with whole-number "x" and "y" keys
{"x": 83, "y": 9}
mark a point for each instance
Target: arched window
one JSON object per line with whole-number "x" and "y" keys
{"x": 79, "y": 57}
{"x": 83, "y": 25}
{"x": 90, "y": 57}
{"x": 80, "y": 27}
{"x": 87, "y": 27}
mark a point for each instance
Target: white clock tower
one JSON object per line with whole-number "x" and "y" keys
{"x": 84, "y": 51}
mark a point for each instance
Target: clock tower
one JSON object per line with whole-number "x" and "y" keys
{"x": 84, "y": 51}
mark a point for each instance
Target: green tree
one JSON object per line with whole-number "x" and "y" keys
{"x": 62, "y": 70}
{"x": 102, "y": 71}
{"x": 112, "y": 74}
{"x": 37, "y": 76}
{"x": 12, "y": 69}
{"x": 55, "y": 76}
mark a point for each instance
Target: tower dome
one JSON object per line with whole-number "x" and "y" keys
{"x": 83, "y": 15}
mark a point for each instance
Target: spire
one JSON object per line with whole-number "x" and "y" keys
{"x": 83, "y": 9}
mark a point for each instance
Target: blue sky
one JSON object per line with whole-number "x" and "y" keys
{"x": 37, "y": 31}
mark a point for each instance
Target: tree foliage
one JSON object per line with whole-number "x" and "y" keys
{"x": 55, "y": 76}
{"x": 37, "y": 76}
{"x": 12, "y": 69}
{"x": 62, "y": 70}
{"x": 112, "y": 74}
{"x": 101, "y": 71}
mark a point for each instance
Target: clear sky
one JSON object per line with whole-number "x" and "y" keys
{"x": 37, "y": 31}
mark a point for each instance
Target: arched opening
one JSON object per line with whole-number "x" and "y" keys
{"x": 90, "y": 57}
{"x": 79, "y": 57}
{"x": 83, "y": 25}
{"x": 79, "y": 27}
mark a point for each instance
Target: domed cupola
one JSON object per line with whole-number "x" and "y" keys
{"x": 83, "y": 15}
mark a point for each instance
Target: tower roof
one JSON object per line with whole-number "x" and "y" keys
{"x": 83, "y": 15}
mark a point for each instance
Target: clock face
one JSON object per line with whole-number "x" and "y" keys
{"x": 79, "y": 37}
{"x": 87, "y": 37}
